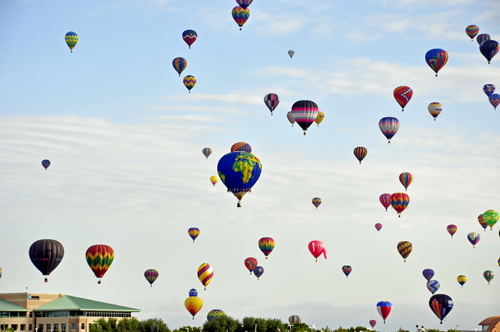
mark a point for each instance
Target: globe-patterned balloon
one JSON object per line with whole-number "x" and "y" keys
{"x": 436, "y": 59}
{"x": 489, "y": 89}
{"x": 214, "y": 314}
{"x": 294, "y": 319}
{"x": 482, "y": 37}
{"x": 433, "y": 286}
{"x": 389, "y": 126}
{"x": 71, "y": 39}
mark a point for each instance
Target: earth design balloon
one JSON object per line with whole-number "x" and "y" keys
{"x": 71, "y": 39}
{"x": 441, "y": 305}
{"x": 435, "y": 109}
{"x": 214, "y": 314}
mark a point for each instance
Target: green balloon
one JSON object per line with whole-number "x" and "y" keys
{"x": 491, "y": 217}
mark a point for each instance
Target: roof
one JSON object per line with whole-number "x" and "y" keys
{"x": 493, "y": 323}
{"x": 8, "y": 306}
{"x": 73, "y": 303}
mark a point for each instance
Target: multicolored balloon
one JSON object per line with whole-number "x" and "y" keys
{"x": 405, "y": 248}
{"x": 194, "y": 232}
{"x": 316, "y": 202}
{"x": 317, "y": 248}
{"x": 45, "y": 163}
{"x": 389, "y": 126}
{"x": 258, "y": 271}
{"x": 271, "y": 100}
{"x": 99, "y": 258}
{"x": 193, "y": 304}
{"x": 46, "y": 255}
{"x": 488, "y": 275}
{"x": 214, "y": 314}
{"x": 403, "y": 94}
{"x": 373, "y": 322}
{"x": 489, "y": 89}
{"x": 433, "y": 286}
{"x": 483, "y": 223}
{"x": 378, "y": 226}
{"x": 441, "y": 305}
{"x": 451, "y": 229}
{"x": 384, "y": 308}
{"x": 205, "y": 274}
{"x": 435, "y": 109}
{"x": 244, "y": 3}
{"x": 473, "y": 238}
{"x": 240, "y": 15}
{"x": 294, "y": 319}
{"x": 462, "y": 280}
{"x": 489, "y": 48}
{"x": 71, "y": 39}
{"x": 251, "y": 263}
{"x": 193, "y": 292}
{"x": 482, "y": 37}
{"x": 385, "y": 200}
{"x": 214, "y": 179}
{"x": 360, "y": 153}
{"x": 347, "y": 269}
{"x": 494, "y": 100}
{"x": 399, "y": 202}
{"x": 189, "y": 82}
{"x": 428, "y": 274}
{"x": 241, "y": 146}
{"x": 291, "y": 53}
{"x": 320, "y": 117}
{"x": 206, "y": 152}
{"x": 304, "y": 112}
{"x": 406, "y": 179}
{"x": 290, "y": 118}
{"x": 472, "y": 31}
{"x": 1, "y": 272}
{"x": 151, "y": 275}
{"x": 266, "y": 245}
{"x": 490, "y": 217}
{"x": 179, "y": 65}
{"x": 189, "y": 37}
{"x": 436, "y": 59}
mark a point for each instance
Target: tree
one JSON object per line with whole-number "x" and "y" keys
{"x": 154, "y": 325}
{"x": 104, "y": 325}
{"x": 222, "y": 324}
{"x": 129, "y": 325}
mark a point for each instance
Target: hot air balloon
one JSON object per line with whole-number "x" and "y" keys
{"x": 271, "y": 100}
{"x": 291, "y": 53}
{"x": 490, "y": 217}
{"x": 316, "y": 202}
{"x": 499, "y": 258}
{"x": 489, "y": 89}
{"x": 194, "y": 232}
{"x": 266, "y": 245}
{"x": 189, "y": 82}
{"x": 214, "y": 179}
{"x": 378, "y": 226}
{"x": 99, "y": 257}
{"x": 373, "y": 322}
{"x": 489, "y": 48}
{"x": 347, "y": 269}
{"x": 483, "y": 223}
{"x": 151, "y": 275}
{"x": 403, "y": 94}
{"x": 405, "y": 248}
{"x": 214, "y": 314}
{"x": 472, "y": 31}
{"x": 406, "y": 179}
{"x": 45, "y": 163}
{"x": 244, "y": 3}
{"x": 435, "y": 109}
{"x": 320, "y": 117}
{"x": 433, "y": 286}
{"x": 71, "y": 39}
{"x": 193, "y": 292}
{"x": 205, "y": 274}
{"x": 189, "y": 37}
{"x": 389, "y": 127}
{"x": 179, "y": 65}
{"x": 360, "y": 153}
{"x": 317, "y": 248}
{"x": 399, "y": 202}
{"x": 46, "y": 255}
{"x": 240, "y": 15}
{"x": 488, "y": 275}
{"x": 436, "y": 59}
{"x": 441, "y": 305}
{"x": 384, "y": 308}
{"x": 428, "y": 274}
{"x": 294, "y": 319}
{"x": 206, "y": 152}
{"x": 451, "y": 229}
{"x": 473, "y": 238}
{"x": 482, "y": 37}
{"x": 462, "y": 280}
{"x": 385, "y": 200}
{"x": 239, "y": 171}
{"x": 290, "y": 118}
{"x": 258, "y": 271}
{"x": 241, "y": 146}
{"x": 304, "y": 112}
{"x": 193, "y": 304}
{"x": 251, "y": 263}
{"x": 494, "y": 100}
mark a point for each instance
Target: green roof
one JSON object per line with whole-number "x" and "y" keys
{"x": 73, "y": 303}
{"x": 7, "y": 306}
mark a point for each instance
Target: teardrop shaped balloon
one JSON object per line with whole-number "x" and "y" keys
{"x": 490, "y": 217}
{"x": 244, "y": 3}
{"x": 482, "y": 37}
{"x": 378, "y": 226}
{"x": 205, "y": 274}
{"x": 494, "y": 100}
{"x": 385, "y": 200}
{"x": 320, "y": 117}
{"x": 473, "y": 238}
{"x": 372, "y": 322}
{"x": 46, "y": 255}
{"x": 436, "y": 59}
{"x": 294, "y": 319}
{"x": 214, "y": 314}
{"x": 151, "y": 275}
{"x": 433, "y": 286}
{"x": 405, "y": 248}
{"x": 214, "y": 179}
{"x": 406, "y": 179}
{"x": 360, "y": 153}
{"x": 483, "y": 224}
{"x": 240, "y": 15}
{"x": 206, "y": 152}
{"x": 462, "y": 280}
{"x": 489, "y": 48}
{"x": 266, "y": 245}
{"x": 189, "y": 82}
{"x": 451, "y": 229}
{"x": 258, "y": 271}
{"x": 179, "y": 65}
{"x": 488, "y": 275}
{"x": 99, "y": 258}
{"x": 317, "y": 248}
{"x": 194, "y": 232}
{"x": 241, "y": 146}
{"x": 304, "y": 112}
{"x": 193, "y": 304}
{"x": 441, "y": 305}
{"x": 316, "y": 201}
{"x": 389, "y": 126}
{"x": 45, "y": 163}
{"x": 271, "y": 100}
{"x": 251, "y": 263}
{"x": 489, "y": 89}
{"x": 384, "y": 308}
{"x": 428, "y": 274}
{"x": 472, "y": 31}
{"x": 71, "y": 39}
{"x": 435, "y": 109}
{"x": 291, "y": 53}
{"x": 399, "y": 202}
{"x": 347, "y": 269}
{"x": 189, "y": 37}
{"x": 290, "y": 118}
{"x": 403, "y": 94}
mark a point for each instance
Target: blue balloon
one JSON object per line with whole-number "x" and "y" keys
{"x": 488, "y": 49}
{"x": 428, "y": 274}
{"x": 258, "y": 271}
{"x": 193, "y": 292}
{"x": 45, "y": 163}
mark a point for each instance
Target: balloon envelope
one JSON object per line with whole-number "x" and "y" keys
{"x": 291, "y": 53}
{"x": 179, "y": 65}
{"x": 99, "y": 258}
{"x": 428, "y": 274}
{"x": 403, "y": 94}
{"x": 373, "y": 322}
{"x": 347, "y": 269}
{"x": 205, "y": 274}
{"x": 290, "y": 117}
{"x": 189, "y": 37}
{"x": 489, "y": 89}
{"x": 206, "y": 152}
{"x": 472, "y": 31}
{"x": 360, "y": 153}
{"x": 389, "y": 126}
{"x": 258, "y": 271}
{"x": 320, "y": 117}
{"x": 482, "y": 37}
{"x": 241, "y": 146}
{"x": 304, "y": 112}
{"x": 294, "y": 319}
{"x": 452, "y": 229}
{"x": 214, "y": 179}
{"x": 405, "y": 248}
{"x": 189, "y": 82}
{"x": 266, "y": 245}
{"x": 436, "y": 59}
{"x": 488, "y": 275}
{"x": 271, "y": 100}
{"x": 441, "y": 305}
{"x": 71, "y": 39}
{"x": 494, "y": 100}
{"x": 244, "y": 3}
{"x": 240, "y": 15}
{"x": 481, "y": 221}
{"x": 214, "y": 314}
{"x": 46, "y": 255}
{"x": 490, "y": 218}
{"x": 435, "y": 109}
{"x": 406, "y": 179}
{"x": 399, "y": 202}
{"x": 317, "y": 248}
{"x": 316, "y": 201}
{"x": 193, "y": 292}
{"x": 151, "y": 275}
{"x": 473, "y": 238}
{"x": 251, "y": 263}
{"x": 378, "y": 226}
{"x": 45, "y": 163}
{"x": 385, "y": 200}
{"x": 193, "y": 304}
{"x": 384, "y": 308}
{"x": 489, "y": 48}
{"x": 194, "y": 232}
{"x": 433, "y": 286}
{"x": 462, "y": 280}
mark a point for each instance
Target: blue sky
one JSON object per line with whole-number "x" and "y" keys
{"x": 125, "y": 137}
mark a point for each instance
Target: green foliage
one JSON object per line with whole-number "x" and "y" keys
{"x": 155, "y": 325}
{"x": 222, "y": 324}
{"x": 433, "y": 330}
{"x": 299, "y": 327}
{"x": 401, "y": 330}
{"x": 129, "y": 325}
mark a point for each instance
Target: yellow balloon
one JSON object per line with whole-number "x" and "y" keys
{"x": 214, "y": 179}
{"x": 462, "y": 280}
{"x": 320, "y": 117}
{"x": 193, "y": 305}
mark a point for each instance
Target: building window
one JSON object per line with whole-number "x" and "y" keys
{"x": 56, "y": 327}
{"x": 83, "y": 326}
{"x": 73, "y": 326}
{"x": 23, "y": 326}
{"x": 48, "y": 327}
{"x": 63, "y": 327}
{"x": 30, "y": 327}
{"x": 31, "y": 314}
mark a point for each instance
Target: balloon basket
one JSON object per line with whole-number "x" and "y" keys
{"x": 99, "y": 282}
{"x": 46, "y": 280}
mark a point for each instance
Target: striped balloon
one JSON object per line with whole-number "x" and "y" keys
{"x": 316, "y": 202}
{"x": 241, "y": 146}
{"x": 290, "y": 117}
{"x": 488, "y": 275}
{"x": 360, "y": 153}
{"x": 452, "y": 229}
{"x": 489, "y": 89}
{"x": 206, "y": 152}
{"x": 271, "y": 100}
{"x": 214, "y": 314}
{"x": 244, "y": 3}
{"x": 472, "y": 31}
{"x": 294, "y": 319}
{"x": 99, "y": 257}
{"x": 403, "y": 94}
{"x": 347, "y": 269}
{"x": 179, "y": 65}
{"x": 205, "y": 274}
{"x": 436, "y": 59}
{"x": 482, "y": 37}
{"x": 483, "y": 223}
{"x": 498, "y": 263}
{"x": 189, "y": 82}
{"x": 385, "y": 200}
{"x": 251, "y": 263}
{"x": 405, "y": 248}
{"x": 428, "y": 274}
{"x": 194, "y": 232}
{"x": 473, "y": 238}
{"x": 490, "y": 218}
{"x": 304, "y": 112}
{"x": 399, "y": 201}
{"x": 378, "y": 226}
{"x": 389, "y": 127}
{"x": 435, "y": 109}
{"x": 240, "y": 15}
{"x": 494, "y": 100}
{"x": 406, "y": 179}
{"x": 1, "y": 272}
{"x": 266, "y": 245}
{"x": 433, "y": 286}
{"x": 151, "y": 275}
{"x": 71, "y": 39}
{"x": 441, "y": 305}
{"x": 384, "y": 308}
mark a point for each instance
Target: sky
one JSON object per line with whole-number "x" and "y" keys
{"x": 124, "y": 138}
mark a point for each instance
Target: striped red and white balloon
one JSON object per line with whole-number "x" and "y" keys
{"x": 385, "y": 200}
{"x": 305, "y": 112}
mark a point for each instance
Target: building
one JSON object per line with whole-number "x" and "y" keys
{"x": 491, "y": 324}
{"x": 40, "y": 312}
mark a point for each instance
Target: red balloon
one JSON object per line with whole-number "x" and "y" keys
{"x": 317, "y": 248}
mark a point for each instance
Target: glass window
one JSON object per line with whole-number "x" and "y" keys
{"x": 40, "y": 328}
{"x": 30, "y": 327}
{"x": 23, "y": 326}
{"x": 56, "y": 327}
{"x": 73, "y": 326}
{"x": 31, "y": 314}
{"x": 48, "y": 328}
{"x": 83, "y": 326}
{"x": 63, "y": 327}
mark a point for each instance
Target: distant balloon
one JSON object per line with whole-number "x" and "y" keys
{"x": 488, "y": 275}
{"x": 151, "y": 275}
{"x": 71, "y": 39}
{"x": 266, "y": 245}
{"x": 193, "y": 304}
{"x": 428, "y": 274}
{"x": 1, "y": 272}
{"x": 290, "y": 117}
{"x": 294, "y": 319}
{"x": 244, "y": 3}
{"x": 499, "y": 258}
{"x": 441, "y": 305}
{"x": 251, "y": 263}
{"x": 489, "y": 48}
{"x": 462, "y": 280}
{"x": 494, "y": 100}
{"x": 389, "y": 127}
{"x": 304, "y": 112}
{"x": 320, "y": 117}
{"x": 317, "y": 248}
{"x": 214, "y": 179}
{"x": 214, "y": 314}
{"x": 189, "y": 82}
{"x": 435, "y": 109}
{"x": 384, "y": 308}
{"x": 316, "y": 202}
{"x": 451, "y": 229}
{"x": 189, "y": 37}
{"x": 179, "y": 65}
{"x": 406, "y": 179}
{"x": 483, "y": 223}
{"x": 433, "y": 286}
{"x": 194, "y": 232}
{"x": 241, "y": 146}
{"x": 373, "y": 322}
{"x": 99, "y": 258}
{"x": 385, "y": 200}
{"x": 472, "y": 31}
{"x": 490, "y": 217}
{"x": 347, "y": 269}
{"x": 473, "y": 238}
{"x": 271, "y": 100}
{"x": 258, "y": 271}
{"x": 360, "y": 153}
{"x": 378, "y": 226}
{"x": 206, "y": 152}
{"x": 46, "y": 255}
{"x": 436, "y": 59}
{"x": 405, "y": 248}
{"x": 45, "y": 163}
{"x": 291, "y": 53}
{"x": 403, "y": 94}
{"x": 193, "y": 292}
{"x": 482, "y": 37}
{"x": 240, "y": 15}
{"x": 205, "y": 274}
{"x": 399, "y": 202}
{"x": 489, "y": 89}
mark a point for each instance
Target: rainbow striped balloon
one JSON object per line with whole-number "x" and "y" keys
{"x": 151, "y": 275}
{"x": 472, "y": 31}
{"x": 399, "y": 201}
{"x": 99, "y": 257}
{"x": 240, "y": 15}
{"x": 244, "y": 3}
{"x": 406, "y": 179}
{"x": 205, "y": 274}
{"x": 405, "y": 248}
{"x": 403, "y": 94}
{"x": 316, "y": 202}
{"x": 266, "y": 245}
